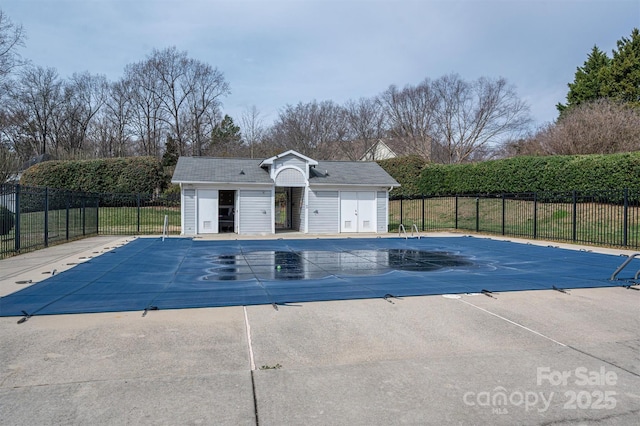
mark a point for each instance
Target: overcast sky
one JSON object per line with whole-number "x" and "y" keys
{"x": 275, "y": 53}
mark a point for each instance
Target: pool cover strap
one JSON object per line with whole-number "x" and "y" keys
{"x": 148, "y": 273}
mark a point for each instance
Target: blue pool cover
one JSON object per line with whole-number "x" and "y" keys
{"x": 150, "y": 273}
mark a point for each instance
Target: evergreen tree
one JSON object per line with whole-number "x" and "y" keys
{"x": 616, "y": 78}
{"x": 171, "y": 154}
{"x": 623, "y": 74}
{"x": 225, "y": 138}
{"x": 590, "y": 81}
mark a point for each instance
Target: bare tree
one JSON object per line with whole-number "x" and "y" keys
{"x": 598, "y": 127}
{"x": 147, "y": 114}
{"x": 252, "y": 128}
{"x": 527, "y": 145}
{"x": 116, "y": 121}
{"x": 365, "y": 125}
{"x": 311, "y": 129}
{"x": 8, "y": 162}
{"x": 11, "y": 37}
{"x": 410, "y": 116}
{"x": 473, "y": 115}
{"x": 84, "y": 95}
{"x": 36, "y": 99}
{"x": 175, "y": 96}
{"x": 206, "y": 86}
{"x": 170, "y": 70}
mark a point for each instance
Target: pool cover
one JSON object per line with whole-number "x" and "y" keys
{"x": 150, "y": 273}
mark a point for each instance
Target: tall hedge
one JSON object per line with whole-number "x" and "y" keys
{"x": 556, "y": 173}
{"x": 405, "y": 170}
{"x": 109, "y": 175}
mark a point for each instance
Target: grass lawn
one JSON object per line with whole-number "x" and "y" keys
{"x": 131, "y": 220}
{"x": 595, "y": 223}
{"x": 587, "y": 222}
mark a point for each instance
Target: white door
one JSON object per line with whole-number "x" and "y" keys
{"x": 357, "y": 211}
{"x": 366, "y": 211}
{"x": 348, "y": 211}
{"x": 207, "y": 211}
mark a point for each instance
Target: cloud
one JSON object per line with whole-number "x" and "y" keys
{"x": 282, "y": 52}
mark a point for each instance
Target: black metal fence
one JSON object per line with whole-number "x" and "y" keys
{"x": 609, "y": 218}
{"x": 34, "y": 217}
{"x": 136, "y": 214}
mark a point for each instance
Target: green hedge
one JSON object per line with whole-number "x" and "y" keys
{"x": 110, "y": 175}
{"x": 532, "y": 174}
{"x": 405, "y": 170}
{"x": 7, "y": 220}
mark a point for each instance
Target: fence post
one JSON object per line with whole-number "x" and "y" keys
{"x": 625, "y": 219}
{"x": 574, "y": 230}
{"x": 138, "y": 209}
{"x": 67, "y": 218}
{"x": 46, "y": 217}
{"x": 535, "y": 215}
{"x": 84, "y": 215}
{"x": 401, "y": 212}
{"x": 17, "y": 224}
{"x": 477, "y": 214}
{"x": 503, "y": 213}
{"x": 97, "y": 215}
{"x": 456, "y": 212}
{"x": 422, "y": 212}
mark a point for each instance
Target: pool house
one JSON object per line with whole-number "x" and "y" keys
{"x": 289, "y": 191}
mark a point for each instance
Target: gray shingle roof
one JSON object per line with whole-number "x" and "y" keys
{"x": 228, "y": 170}
{"x": 220, "y": 170}
{"x": 350, "y": 173}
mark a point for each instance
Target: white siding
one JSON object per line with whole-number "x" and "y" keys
{"x": 255, "y": 212}
{"x": 379, "y": 151}
{"x": 382, "y": 217}
{"x": 297, "y": 209}
{"x": 324, "y": 211}
{"x": 383, "y": 152}
{"x": 291, "y": 160}
{"x": 189, "y": 212}
{"x": 290, "y": 177}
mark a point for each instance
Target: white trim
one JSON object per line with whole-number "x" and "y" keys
{"x": 281, "y": 169}
{"x": 306, "y": 208}
{"x": 238, "y": 213}
{"x": 386, "y": 209}
{"x": 234, "y": 184}
{"x": 273, "y": 210}
{"x": 269, "y": 161}
{"x": 354, "y": 185}
{"x": 236, "y": 216}
{"x": 182, "y": 204}
{"x": 348, "y": 188}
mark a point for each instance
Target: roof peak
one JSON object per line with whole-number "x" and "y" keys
{"x": 269, "y": 161}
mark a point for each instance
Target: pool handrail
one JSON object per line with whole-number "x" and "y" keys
{"x": 414, "y": 226}
{"x": 624, "y": 264}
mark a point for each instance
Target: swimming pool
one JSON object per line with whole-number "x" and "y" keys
{"x": 151, "y": 273}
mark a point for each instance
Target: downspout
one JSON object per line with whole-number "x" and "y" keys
{"x": 273, "y": 209}
{"x": 181, "y": 209}
{"x": 306, "y": 207}
{"x": 386, "y": 216}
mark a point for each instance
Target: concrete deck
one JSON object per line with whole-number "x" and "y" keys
{"x": 536, "y": 357}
